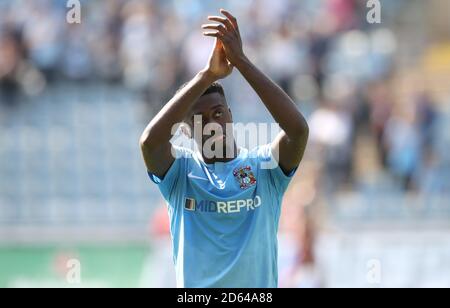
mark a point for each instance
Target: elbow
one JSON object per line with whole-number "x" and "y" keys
{"x": 302, "y": 129}
{"x": 299, "y": 133}
{"x": 151, "y": 140}
{"x": 305, "y": 129}
{"x": 145, "y": 140}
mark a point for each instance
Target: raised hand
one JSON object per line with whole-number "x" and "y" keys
{"x": 218, "y": 65}
{"x": 227, "y": 32}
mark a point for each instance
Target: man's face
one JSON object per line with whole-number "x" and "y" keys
{"x": 210, "y": 111}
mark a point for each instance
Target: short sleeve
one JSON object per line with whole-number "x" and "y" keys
{"x": 269, "y": 164}
{"x": 173, "y": 180}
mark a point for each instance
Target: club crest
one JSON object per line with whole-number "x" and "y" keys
{"x": 245, "y": 177}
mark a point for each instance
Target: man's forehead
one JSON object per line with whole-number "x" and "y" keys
{"x": 208, "y": 102}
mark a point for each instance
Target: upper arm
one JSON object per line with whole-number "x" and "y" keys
{"x": 289, "y": 151}
{"x": 158, "y": 161}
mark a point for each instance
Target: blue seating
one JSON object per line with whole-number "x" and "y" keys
{"x": 71, "y": 156}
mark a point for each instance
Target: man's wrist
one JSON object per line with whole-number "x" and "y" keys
{"x": 207, "y": 76}
{"x": 241, "y": 62}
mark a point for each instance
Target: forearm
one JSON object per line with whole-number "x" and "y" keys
{"x": 159, "y": 130}
{"x": 291, "y": 142}
{"x": 279, "y": 104}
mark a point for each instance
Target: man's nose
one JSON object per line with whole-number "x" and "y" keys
{"x": 213, "y": 128}
{"x": 213, "y": 124}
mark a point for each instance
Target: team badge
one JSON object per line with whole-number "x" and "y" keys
{"x": 245, "y": 177}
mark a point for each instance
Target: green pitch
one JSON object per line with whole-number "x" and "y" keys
{"x": 101, "y": 266}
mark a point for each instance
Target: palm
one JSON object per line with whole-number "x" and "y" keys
{"x": 218, "y": 63}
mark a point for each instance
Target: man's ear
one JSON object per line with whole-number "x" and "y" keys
{"x": 231, "y": 114}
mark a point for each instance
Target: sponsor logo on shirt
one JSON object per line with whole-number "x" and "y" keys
{"x": 224, "y": 207}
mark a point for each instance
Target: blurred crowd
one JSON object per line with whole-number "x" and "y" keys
{"x": 324, "y": 53}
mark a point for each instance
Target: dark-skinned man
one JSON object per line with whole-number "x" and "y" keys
{"x": 224, "y": 209}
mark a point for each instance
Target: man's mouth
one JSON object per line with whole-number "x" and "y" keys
{"x": 218, "y": 138}
{"x": 214, "y": 139}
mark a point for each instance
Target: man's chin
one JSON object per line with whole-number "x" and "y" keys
{"x": 215, "y": 140}
{"x": 217, "y": 154}
{"x": 221, "y": 139}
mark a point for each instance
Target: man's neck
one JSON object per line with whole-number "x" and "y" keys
{"x": 227, "y": 158}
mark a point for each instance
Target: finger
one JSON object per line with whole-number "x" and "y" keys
{"x": 224, "y": 39}
{"x": 219, "y": 28}
{"x": 227, "y": 23}
{"x": 213, "y": 34}
{"x": 231, "y": 18}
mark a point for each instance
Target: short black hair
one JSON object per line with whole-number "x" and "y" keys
{"x": 215, "y": 87}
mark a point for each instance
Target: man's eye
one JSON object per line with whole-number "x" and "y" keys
{"x": 218, "y": 114}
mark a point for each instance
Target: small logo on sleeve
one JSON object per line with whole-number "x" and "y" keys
{"x": 245, "y": 177}
{"x": 189, "y": 204}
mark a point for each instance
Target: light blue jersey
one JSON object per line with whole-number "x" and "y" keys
{"x": 224, "y": 219}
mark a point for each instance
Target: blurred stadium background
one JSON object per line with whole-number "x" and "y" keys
{"x": 370, "y": 206}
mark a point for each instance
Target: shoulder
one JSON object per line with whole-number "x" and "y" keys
{"x": 182, "y": 152}
{"x": 262, "y": 152}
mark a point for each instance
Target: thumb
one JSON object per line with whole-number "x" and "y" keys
{"x": 218, "y": 47}
{"x": 219, "y": 44}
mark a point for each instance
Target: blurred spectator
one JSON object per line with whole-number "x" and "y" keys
{"x": 159, "y": 271}
{"x": 380, "y": 106}
{"x": 402, "y": 139}
{"x": 43, "y": 34}
{"x": 297, "y": 264}
{"x": 426, "y": 117}
{"x": 331, "y": 134}
{"x": 307, "y": 273}
{"x": 10, "y": 57}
